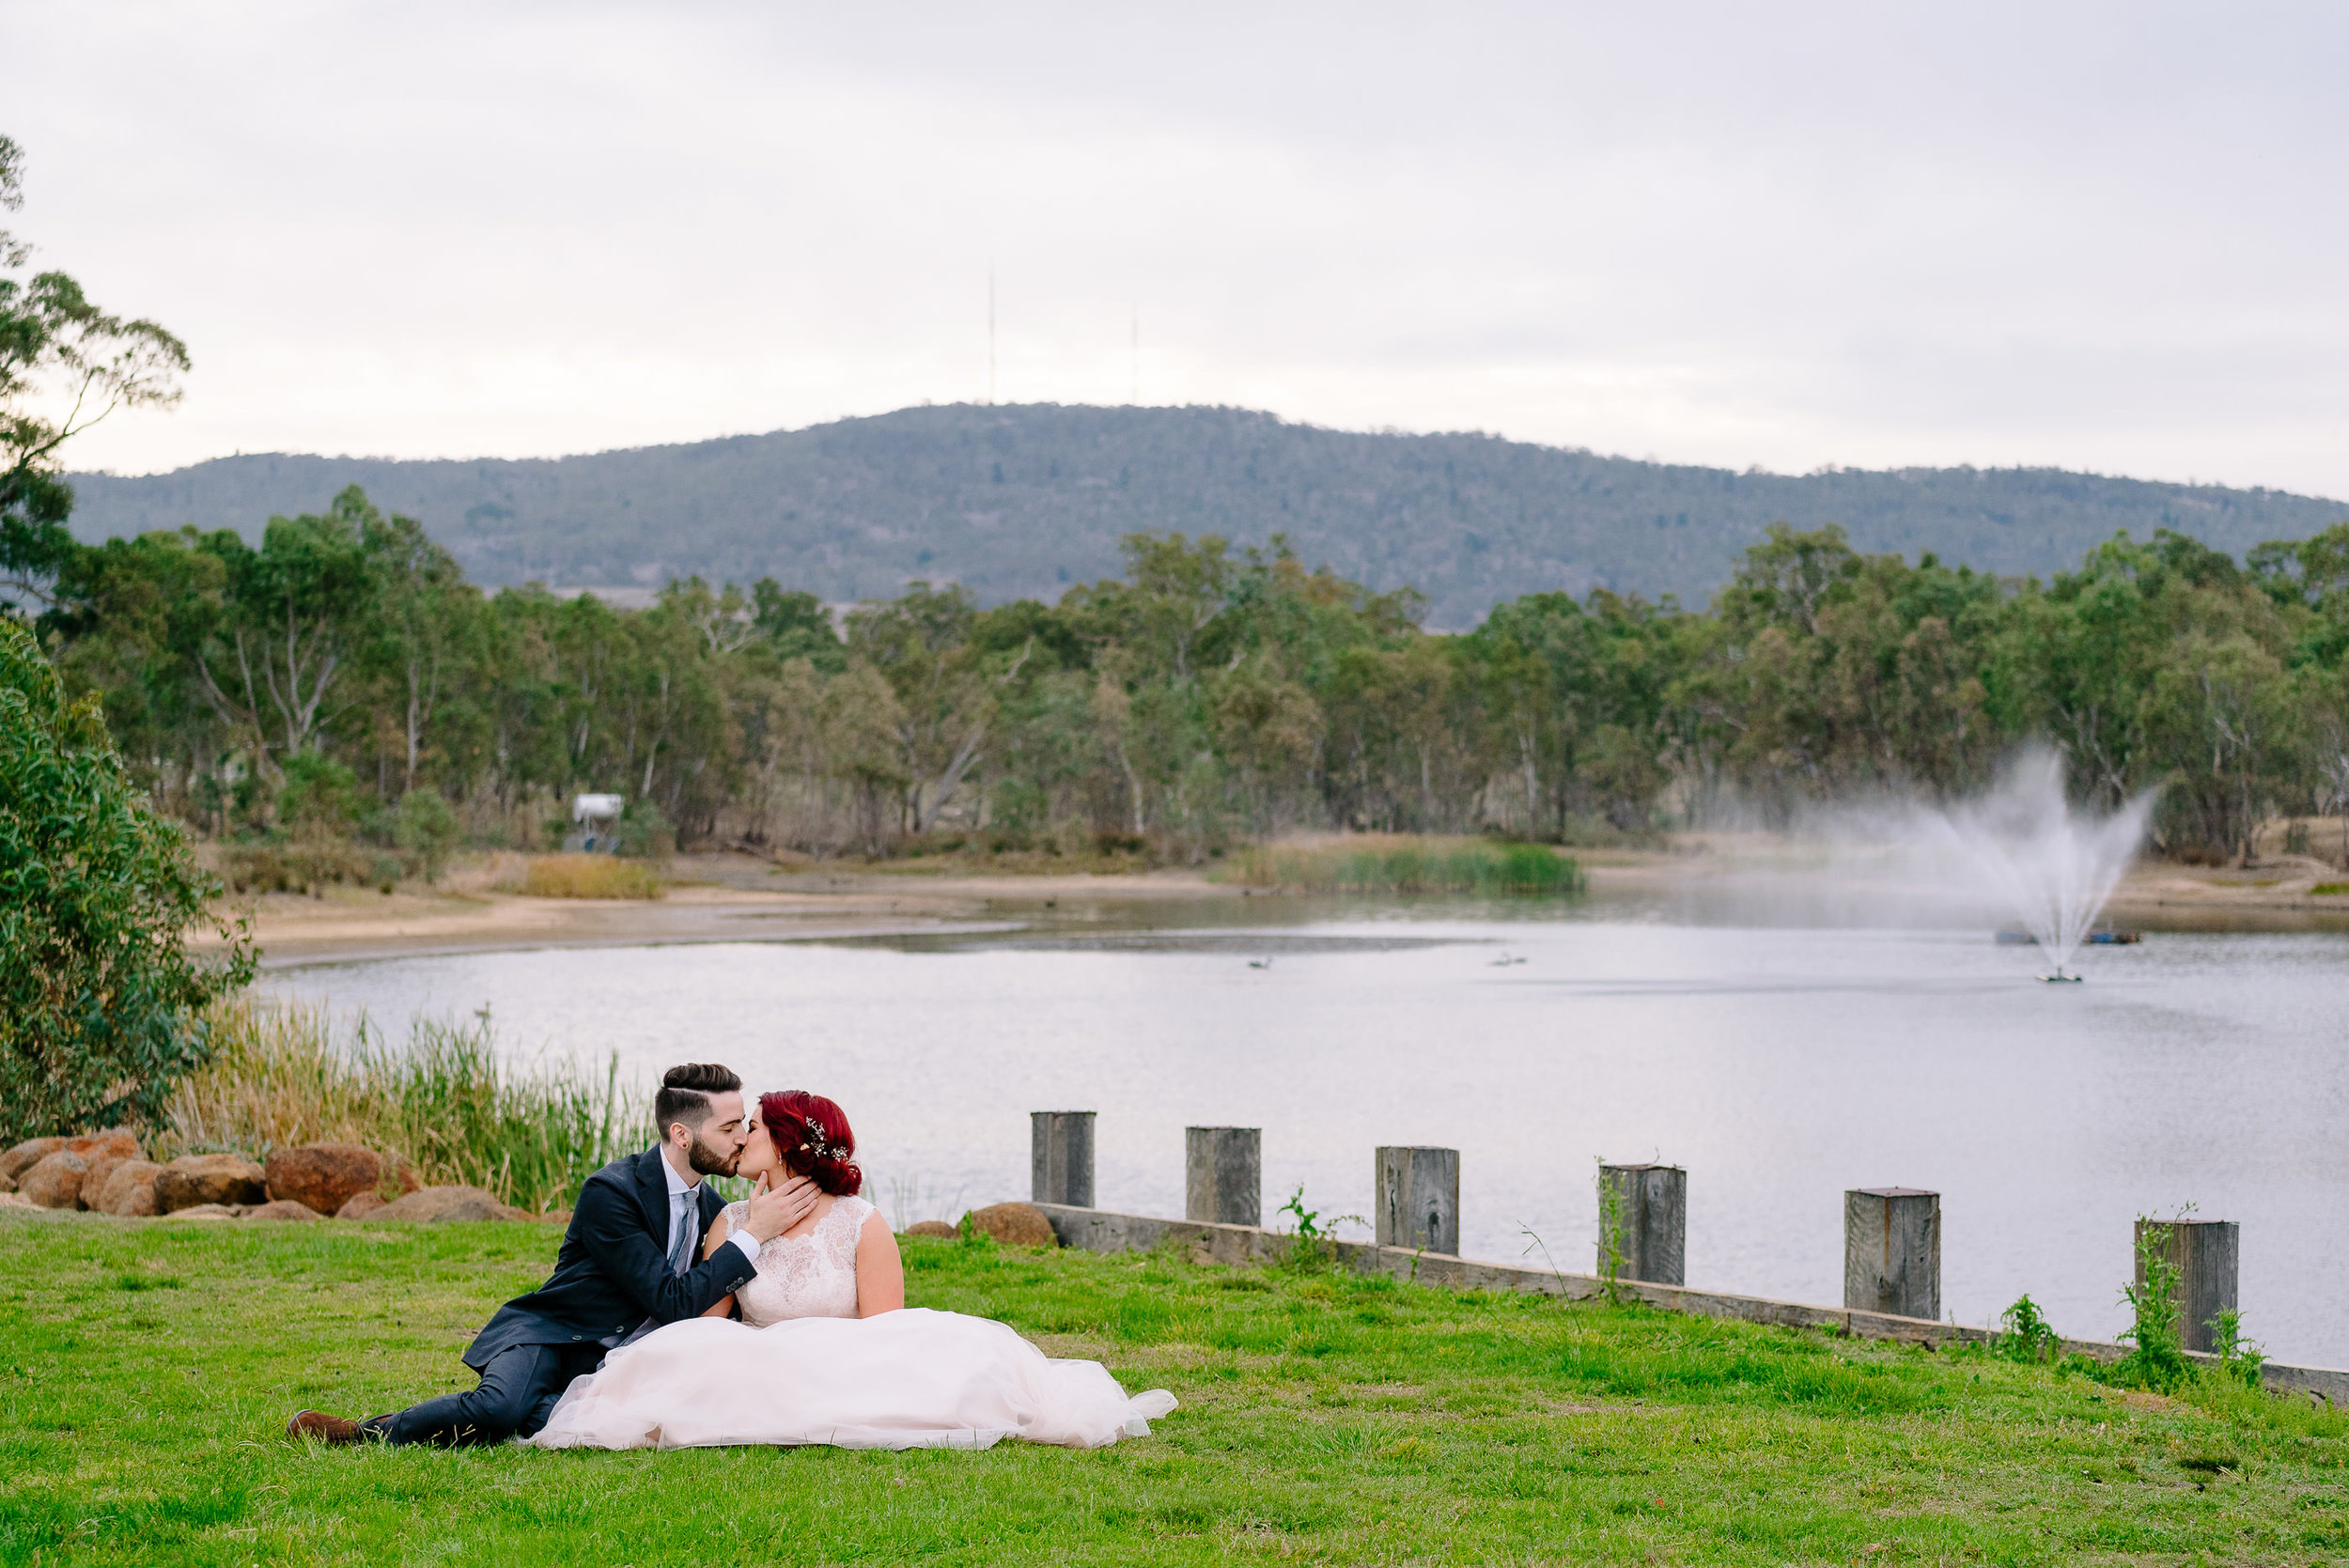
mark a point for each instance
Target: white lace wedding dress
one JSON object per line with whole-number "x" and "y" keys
{"x": 802, "y": 1367}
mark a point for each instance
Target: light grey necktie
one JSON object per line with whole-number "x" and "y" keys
{"x": 681, "y": 1228}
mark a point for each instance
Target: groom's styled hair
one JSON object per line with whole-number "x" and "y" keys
{"x": 685, "y": 1094}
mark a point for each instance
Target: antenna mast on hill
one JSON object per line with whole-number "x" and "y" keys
{"x": 991, "y": 335}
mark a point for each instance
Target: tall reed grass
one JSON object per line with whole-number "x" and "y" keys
{"x": 591, "y": 877}
{"x": 1416, "y": 866}
{"x": 444, "y": 1100}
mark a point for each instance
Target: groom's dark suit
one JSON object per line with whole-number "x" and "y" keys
{"x": 613, "y": 1274}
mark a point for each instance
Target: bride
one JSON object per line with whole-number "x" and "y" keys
{"x": 827, "y": 1351}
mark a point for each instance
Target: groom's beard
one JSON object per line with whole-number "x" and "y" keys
{"x": 712, "y": 1161}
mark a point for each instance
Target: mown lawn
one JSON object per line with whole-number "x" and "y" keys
{"x": 146, "y": 1367}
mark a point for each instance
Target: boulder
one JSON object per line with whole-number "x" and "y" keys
{"x": 360, "y": 1206}
{"x": 113, "y": 1141}
{"x": 26, "y": 1155}
{"x": 55, "y": 1182}
{"x": 102, "y": 1165}
{"x": 434, "y": 1204}
{"x": 130, "y": 1191}
{"x": 283, "y": 1208}
{"x": 195, "y": 1180}
{"x": 205, "y": 1211}
{"x": 323, "y": 1176}
{"x": 932, "y": 1226}
{"x": 1014, "y": 1224}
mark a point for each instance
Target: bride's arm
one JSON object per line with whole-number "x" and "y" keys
{"x": 881, "y": 1275}
{"x": 724, "y": 1306}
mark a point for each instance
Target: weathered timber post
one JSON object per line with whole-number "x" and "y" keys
{"x": 1223, "y": 1175}
{"x": 1060, "y": 1146}
{"x": 2207, "y": 1255}
{"x": 1419, "y": 1199}
{"x": 1651, "y": 1222}
{"x": 1893, "y": 1252}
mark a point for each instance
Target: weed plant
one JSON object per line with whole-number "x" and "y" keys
{"x": 2025, "y": 1334}
{"x": 443, "y": 1100}
{"x": 1425, "y": 865}
{"x": 591, "y": 877}
{"x": 1610, "y": 1254}
{"x": 2156, "y": 1357}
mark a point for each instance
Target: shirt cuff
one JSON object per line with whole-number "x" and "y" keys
{"x": 749, "y": 1247}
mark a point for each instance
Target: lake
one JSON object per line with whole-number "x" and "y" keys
{"x": 1778, "y": 1059}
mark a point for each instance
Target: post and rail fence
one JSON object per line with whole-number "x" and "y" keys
{"x": 1891, "y": 1243}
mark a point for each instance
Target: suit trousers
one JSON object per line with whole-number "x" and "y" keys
{"x": 518, "y": 1387}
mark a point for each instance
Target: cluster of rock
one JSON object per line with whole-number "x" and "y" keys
{"x": 1010, "y": 1224}
{"x": 108, "y": 1172}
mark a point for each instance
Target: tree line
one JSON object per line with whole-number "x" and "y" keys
{"x": 343, "y": 676}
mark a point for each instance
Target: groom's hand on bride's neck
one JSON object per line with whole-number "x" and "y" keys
{"x": 775, "y": 1211}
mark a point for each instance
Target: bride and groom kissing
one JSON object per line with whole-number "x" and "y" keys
{"x": 674, "y": 1319}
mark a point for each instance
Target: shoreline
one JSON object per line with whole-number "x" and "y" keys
{"x": 728, "y": 897}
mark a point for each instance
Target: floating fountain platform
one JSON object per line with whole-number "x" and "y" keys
{"x": 2060, "y": 978}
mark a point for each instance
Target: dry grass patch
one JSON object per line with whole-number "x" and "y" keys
{"x": 591, "y": 877}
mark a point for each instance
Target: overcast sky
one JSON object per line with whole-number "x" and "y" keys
{"x": 2100, "y": 236}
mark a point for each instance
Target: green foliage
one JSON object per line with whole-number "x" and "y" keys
{"x": 2025, "y": 1335}
{"x": 321, "y": 794}
{"x": 2238, "y": 1358}
{"x": 2157, "y": 1358}
{"x": 1611, "y": 1232}
{"x": 98, "y": 993}
{"x": 1314, "y": 1249}
{"x": 428, "y": 828}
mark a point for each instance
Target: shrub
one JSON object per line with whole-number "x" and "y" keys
{"x": 98, "y": 993}
{"x": 590, "y": 877}
{"x": 2025, "y": 1334}
{"x": 2157, "y": 1358}
{"x": 427, "y": 828}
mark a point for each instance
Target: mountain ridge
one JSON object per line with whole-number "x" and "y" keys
{"x": 1022, "y": 500}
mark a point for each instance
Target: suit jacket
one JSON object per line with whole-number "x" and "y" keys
{"x": 612, "y": 1272}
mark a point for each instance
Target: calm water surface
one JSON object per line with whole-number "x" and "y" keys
{"x": 1781, "y": 1064}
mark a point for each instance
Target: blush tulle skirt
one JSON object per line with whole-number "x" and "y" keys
{"x": 915, "y": 1378}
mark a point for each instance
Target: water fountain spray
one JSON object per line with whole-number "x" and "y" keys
{"x": 2056, "y": 867}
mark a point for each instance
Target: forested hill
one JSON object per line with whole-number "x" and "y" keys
{"x": 1018, "y": 501}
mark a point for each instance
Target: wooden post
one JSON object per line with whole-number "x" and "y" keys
{"x": 2207, "y": 1255}
{"x": 1419, "y": 1199}
{"x": 1223, "y": 1175}
{"x": 1893, "y": 1252}
{"x": 1060, "y": 1146}
{"x": 1651, "y": 1203}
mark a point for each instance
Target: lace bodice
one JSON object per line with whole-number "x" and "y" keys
{"x": 809, "y": 1275}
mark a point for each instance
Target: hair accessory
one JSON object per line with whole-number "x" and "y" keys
{"x": 815, "y": 1144}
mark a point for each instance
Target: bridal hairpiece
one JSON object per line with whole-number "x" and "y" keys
{"x": 815, "y": 1144}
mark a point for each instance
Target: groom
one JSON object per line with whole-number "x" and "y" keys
{"x": 628, "y": 1265}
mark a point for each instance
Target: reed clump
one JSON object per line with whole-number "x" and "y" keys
{"x": 443, "y": 1100}
{"x": 591, "y": 877}
{"x": 1415, "y": 865}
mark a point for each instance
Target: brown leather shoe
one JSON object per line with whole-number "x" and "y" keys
{"x": 325, "y": 1428}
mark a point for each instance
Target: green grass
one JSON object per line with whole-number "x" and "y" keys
{"x": 2327, "y": 890}
{"x": 145, "y": 1368}
{"x": 1413, "y": 866}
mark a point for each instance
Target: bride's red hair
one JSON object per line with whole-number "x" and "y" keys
{"x": 812, "y": 1138}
